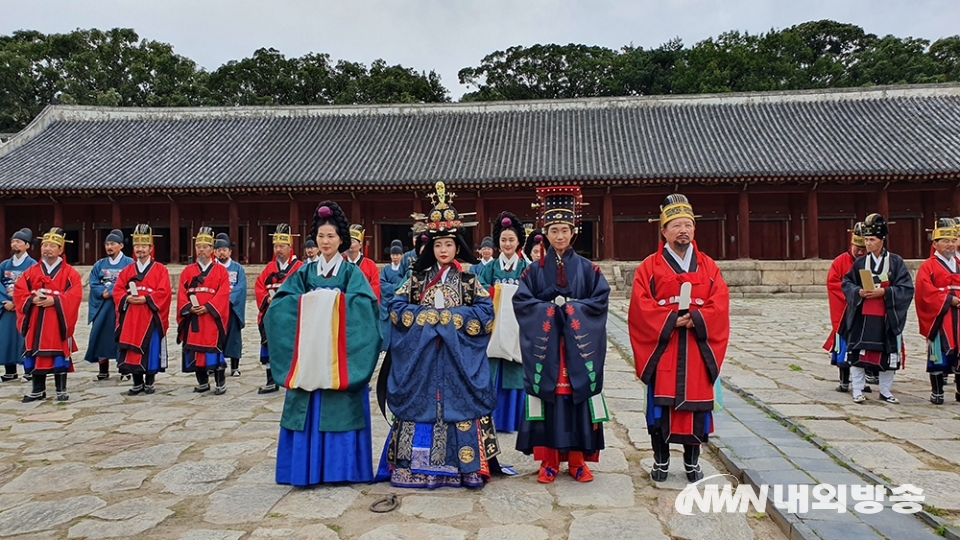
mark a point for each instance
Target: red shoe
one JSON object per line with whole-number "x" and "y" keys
{"x": 581, "y": 473}
{"x": 547, "y": 474}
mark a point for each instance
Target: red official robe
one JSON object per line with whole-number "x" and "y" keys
{"x": 270, "y": 280}
{"x": 136, "y": 322}
{"x": 681, "y": 364}
{"x": 205, "y": 333}
{"x": 48, "y": 332}
{"x": 935, "y": 288}
{"x": 838, "y": 302}
{"x": 370, "y": 271}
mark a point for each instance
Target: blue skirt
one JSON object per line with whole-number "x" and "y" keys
{"x": 234, "y": 345}
{"x": 314, "y": 457}
{"x": 103, "y": 339}
{"x": 11, "y": 342}
{"x": 506, "y": 417}
{"x": 202, "y": 361}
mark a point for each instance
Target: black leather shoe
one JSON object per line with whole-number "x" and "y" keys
{"x": 268, "y": 389}
{"x": 201, "y": 388}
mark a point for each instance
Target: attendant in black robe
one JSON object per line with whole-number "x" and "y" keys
{"x": 874, "y": 320}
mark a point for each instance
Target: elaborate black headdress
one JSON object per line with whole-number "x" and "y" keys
{"x": 444, "y": 221}
{"x": 508, "y": 221}
{"x": 534, "y": 237}
{"x": 330, "y": 212}
{"x": 875, "y": 225}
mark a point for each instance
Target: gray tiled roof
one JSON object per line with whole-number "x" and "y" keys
{"x": 894, "y": 133}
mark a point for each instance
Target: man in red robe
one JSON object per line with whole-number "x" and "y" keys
{"x": 203, "y": 310}
{"x": 937, "y": 300}
{"x": 354, "y": 254}
{"x": 142, "y": 298}
{"x": 679, "y": 323}
{"x": 835, "y": 344}
{"x": 47, "y": 298}
{"x": 269, "y": 281}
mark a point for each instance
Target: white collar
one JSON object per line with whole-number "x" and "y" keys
{"x": 446, "y": 271}
{"x": 394, "y": 267}
{"x": 225, "y": 264}
{"x": 115, "y": 261}
{"x": 486, "y": 261}
{"x": 18, "y": 262}
{"x": 324, "y": 266}
{"x": 951, "y": 263}
{"x": 354, "y": 261}
{"x": 508, "y": 262}
{"x": 203, "y": 267}
{"x": 315, "y": 258}
{"x": 50, "y": 267}
{"x": 684, "y": 261}
{"x": 284, "y": 265}
{"x": 141, "y": 267}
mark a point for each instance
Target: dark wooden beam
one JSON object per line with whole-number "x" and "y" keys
{"x": 743, "y": 225}
{"x": 606, "y": 239}
{"x": 234, "y": 232}
{"x": 116, "y": 218}
{"x": 294, "y": 223}
{"x": 883, "y": 204}
{"x": 174, "y": 231}
{"x": 813, "y": 226}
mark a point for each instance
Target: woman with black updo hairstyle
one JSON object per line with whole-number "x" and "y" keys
{"x": 324, "y": 334}
{"x": 502, "y": 276}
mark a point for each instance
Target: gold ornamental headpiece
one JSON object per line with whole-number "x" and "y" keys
{"x": 675, "y": 206}
{"x": 55, "y": 236}
{"x": 443, "y": 219}
{"x": 283, "y": 235}
{"x": 857, "y": 237}
{"x": 944, "y": 228}
{"x": 143, "y": 235}
{"x": 204, "y": 236}
{"x": 357, "y": 232}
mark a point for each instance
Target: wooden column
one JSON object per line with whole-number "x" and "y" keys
{"x": 606, "y": 217}
{"x": 481, "y": 220}
{"x": 174, "y": 232}
{"x": 294, "y": 224}
{"x": 3, "y": 223}
{"x": 57, "y": 215}
{"x": 417, "y": 207}
{"x": 743, "y": 225}
{"x": 355, "y": 213}
{"x": 116, "y": 220}
{"x": 234, "y": 232}
{"x": 813, "y": 226}
{"x": 954, "y": 206}
{"x": 883, "y": 204}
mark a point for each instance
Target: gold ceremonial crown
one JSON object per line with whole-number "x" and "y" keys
{"x": 204, "y": 236}
{"x": 675, "y": 206}
{"x": 143, "y": 235}
{"x": 857, "y": 237}
{"x": 55, "y": 236}
{"x": 356, "y": 232}
{"x": 945, "y": 228}
{"x": 283, "y": 235}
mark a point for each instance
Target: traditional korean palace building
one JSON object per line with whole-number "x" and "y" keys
{"x": 778, "y": 175}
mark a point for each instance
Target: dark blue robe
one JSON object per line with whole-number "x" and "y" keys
{"x": 389, "y": 281}
{"x": 11, "y": 341}
{"x": 578, "y": 326}
{"x": 238, "y": 304}
{"x": 102, "y": 313}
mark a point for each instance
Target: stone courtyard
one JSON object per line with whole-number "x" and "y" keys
{"x": 184, "y": 466}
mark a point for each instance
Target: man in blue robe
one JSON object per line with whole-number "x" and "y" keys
{"x": 418, "y": 235}
{"x": 11, "y": 341}
{"x": 390, "y": 278}
{"x": 223, "y": 250}
{"x": 102, "y": 313}
{"x": 486, "y": 255}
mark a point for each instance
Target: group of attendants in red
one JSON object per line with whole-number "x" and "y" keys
{"x": 870, "y": 291}
{"x": 467, "y": 347}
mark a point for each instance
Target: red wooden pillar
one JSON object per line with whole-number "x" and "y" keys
{"x": 294, "y": 224}
{"x": 356, "y": 215}
{"x": 743, "y": 225}
{"x": 116, "y": 220}
{"x": 883, "y": 204}
{"x": 234, "y": 232}
{"x": 174, "y": 232}
{"x": 606, "y": 217}
{"x": 57, "y": 215}
{"x": 813, "y": 225}
{"x": 954, "y": 206}
{"x": 3, "y": 222}
{"x": 481, "y": 220}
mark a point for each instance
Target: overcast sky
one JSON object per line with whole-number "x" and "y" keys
{"x": 447, "y": 35}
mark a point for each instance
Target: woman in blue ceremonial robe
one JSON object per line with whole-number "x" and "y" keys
{"x": 502, "y": 277}
{"x": 324, "y": 338}
{"x": 439, "y": 387}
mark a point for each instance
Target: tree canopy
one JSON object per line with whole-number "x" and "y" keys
{"x": 118, "y": 68}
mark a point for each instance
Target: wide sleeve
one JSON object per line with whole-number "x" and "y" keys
{"x": 238, "y": 295}
{"x": 95, "y": 299}
{"x": 68, "y": 302}
{"x": 836, "y": 299}
{"x": 850, "y": 285}
{"x": 218, "y": 305}
{"x": 584, "y": 331}
{"x": 373, "y": 277}
{"x": 260, "y": 291}
{"x": 23, "y": 302}
{"x": 899, "y": 295}
{"x": 931, "y": 302}
{"x": 540, "y": 340}
{"x": 160, "y": 299}
{"x": 711, "y": 322}
{"x": 651, "y": 325}
{"x": 363, "y": 331}
{"x": 280, "y": 320}
{"x": 485, "y": 277}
